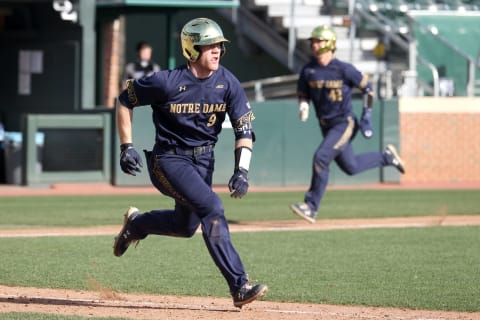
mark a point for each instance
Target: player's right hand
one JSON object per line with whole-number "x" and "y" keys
{"x": 303, "y": 111}
{"x": 130, "y": 160}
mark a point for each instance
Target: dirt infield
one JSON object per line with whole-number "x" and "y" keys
{"x": 135, "y": 306}
{"x": 102, "y": 302}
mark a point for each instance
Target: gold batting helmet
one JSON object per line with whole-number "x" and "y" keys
{"x": 200, "y": 32}
{"x": 326, "y": 33}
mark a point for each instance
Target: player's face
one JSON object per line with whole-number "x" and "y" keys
{"x": 210, "y": 58}
{"x": 317, "y": 45}
{"x": 322, "y": 58}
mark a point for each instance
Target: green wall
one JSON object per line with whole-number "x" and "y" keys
{"x": 283, "y": 149}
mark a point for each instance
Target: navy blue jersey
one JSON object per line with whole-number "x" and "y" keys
{"x": 188, "y": 111}
{"x": 330, "y": 87}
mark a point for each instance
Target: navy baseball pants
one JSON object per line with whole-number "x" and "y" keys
{"x": 187, "y": 178}
{"x": 336, "y": 145}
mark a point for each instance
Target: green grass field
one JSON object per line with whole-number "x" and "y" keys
{"x": 436, "y": 268}
{"x": 75, "y": 211}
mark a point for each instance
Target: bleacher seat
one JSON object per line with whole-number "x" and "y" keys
{"x": 391, "y": 19}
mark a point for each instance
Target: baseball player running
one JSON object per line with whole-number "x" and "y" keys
{"x": 189, "y": 105}
{"x": 328, "y": 83}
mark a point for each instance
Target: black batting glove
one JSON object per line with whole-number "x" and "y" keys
{"x": 130, "y": 160}
{"x": 238, "y": 184}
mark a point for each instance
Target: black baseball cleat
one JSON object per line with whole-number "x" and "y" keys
{"x": 394, "y": 159}
{"x": 124, "y": 237}
{"x": 248, "y": 293}
{"x": 304, "y": 211}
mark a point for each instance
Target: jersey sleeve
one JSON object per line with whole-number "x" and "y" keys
{"x": 302, "y": 86}
{"x": 143, "y": 91}
{"x": 240, "y": 112}
{"x": 357, "y": 79}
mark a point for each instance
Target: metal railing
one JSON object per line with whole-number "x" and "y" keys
{"x": 387, "y": 27}
{"x": 271, "y": 88}
{"x": 472, "y": 64}
{"x": 264, "y": 36}
{"x": 384, "y": 25}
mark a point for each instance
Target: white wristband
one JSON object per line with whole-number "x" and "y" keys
{"x": 244, "y": 158}
{"x": 303, "y": 106}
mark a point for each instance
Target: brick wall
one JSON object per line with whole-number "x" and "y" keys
{"x": 112, "y": 59}
{"x": 440, "y": 139}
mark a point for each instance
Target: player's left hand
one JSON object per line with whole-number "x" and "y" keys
{"x": 238, "y": 184}
{"x": 130, "y": 160}
{"x": 366, "y": 123}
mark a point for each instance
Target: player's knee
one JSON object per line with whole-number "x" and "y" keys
{"x": 215, "y": 229}
{"x": 320, "y": 166}
{"x": 320, "y": 161}
{"x": 350, "y": 168}
{"x": 350, "y": 171}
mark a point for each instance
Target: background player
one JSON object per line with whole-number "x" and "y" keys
{"x": 328, "y": 83}
{"x": 189, "y": 105}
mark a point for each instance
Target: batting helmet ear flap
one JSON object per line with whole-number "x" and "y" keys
{"x": 223, "y": 49}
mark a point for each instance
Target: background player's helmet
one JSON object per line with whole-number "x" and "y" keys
{"x": 200, "y": 32}
{"x": 324, "y": 32}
